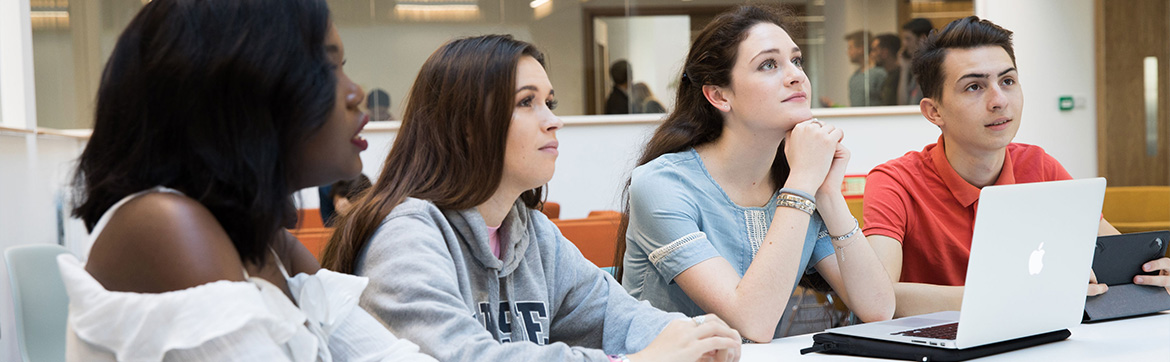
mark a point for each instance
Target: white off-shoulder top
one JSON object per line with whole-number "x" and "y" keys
{"x": 224, "y": 320}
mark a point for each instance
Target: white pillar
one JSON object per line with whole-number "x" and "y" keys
{"x": 16, "y": 66}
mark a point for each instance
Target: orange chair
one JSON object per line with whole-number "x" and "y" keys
{"x": 309, "y": 219}
{"x": 855, "y": 207}
{"x": 595, "y": 236}
{"x": 314, "y": 239}
{"x": 1137, "y": 208}
{"x": 551, "y": 209}
{"x": 311, "y": 231}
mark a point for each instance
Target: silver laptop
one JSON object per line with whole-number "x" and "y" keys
{"x": 1031, "y": 252}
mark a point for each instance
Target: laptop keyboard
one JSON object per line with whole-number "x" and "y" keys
{"x": 942, "y": 331}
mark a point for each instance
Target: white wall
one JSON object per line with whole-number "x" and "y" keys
{"x": 596, "y": 159}
{"x": 390, "y": 56}
{"x": 56, "y": 96}
{"x": 658, "y": 48}
{"x": 33, "y": 170}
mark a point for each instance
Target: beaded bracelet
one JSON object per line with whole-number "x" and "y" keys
{"x": 789, "y": 190}
{"x": 796, "y": 201}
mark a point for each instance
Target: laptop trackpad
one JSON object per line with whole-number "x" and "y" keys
{"x": 916, "y": 322}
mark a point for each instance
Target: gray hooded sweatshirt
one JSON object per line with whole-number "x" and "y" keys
{"x": 435, "y": 282}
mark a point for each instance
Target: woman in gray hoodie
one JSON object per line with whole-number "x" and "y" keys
{"x": 459, "y": 258}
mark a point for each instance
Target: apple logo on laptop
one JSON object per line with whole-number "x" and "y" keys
{"x": 1036, "y": 261}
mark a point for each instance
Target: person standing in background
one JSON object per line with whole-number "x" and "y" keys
{"x": 866, "y": 82}
{"x": 619, "y": 98}
{"x": 378, "y": 103}
{"x": 914, "y": 34}
{"x": 884, "y": 50}
{"x": 645, "y": 101}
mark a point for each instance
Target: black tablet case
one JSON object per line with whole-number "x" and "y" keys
{"x": 832, "y": 343}
{"x": 1117, "y": 260}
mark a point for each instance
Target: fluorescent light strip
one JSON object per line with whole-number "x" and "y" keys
{"x": 537, "y": 3}
{"x": 436, "y": 7}
{"x": 48, "y": 14}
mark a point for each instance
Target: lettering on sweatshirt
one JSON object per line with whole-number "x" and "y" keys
{"x": 533, "y": 318}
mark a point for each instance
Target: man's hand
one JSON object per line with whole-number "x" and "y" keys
{"x": 1094, "y": 287}
{"x": 1162, "y": 266}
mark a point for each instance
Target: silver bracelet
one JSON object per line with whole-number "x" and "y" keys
{"x": 856, "y": 229}
{"x": 841, "y": 248}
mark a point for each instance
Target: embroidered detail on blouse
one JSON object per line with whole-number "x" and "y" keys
{"x": 662, "y": 252}
{"x": 757, "y": 228}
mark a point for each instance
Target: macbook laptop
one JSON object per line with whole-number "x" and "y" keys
{"x": 1031, "y": 252}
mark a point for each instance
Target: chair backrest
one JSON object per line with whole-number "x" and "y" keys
{"x": 855, "y": 208}
{"x": 314, "y": 239}
{"x": 39, "y": 301}
{"x": 1137, "y": 208}
{"x": 309, "y": 219}
{"x": 551, "y": 209}
{"x": 595, "y": 236}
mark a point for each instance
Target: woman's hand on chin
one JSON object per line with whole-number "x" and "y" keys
{"x": 811, "y": 148}
{"x": 835, "y": 178}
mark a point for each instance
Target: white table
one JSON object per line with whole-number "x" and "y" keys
{"x": 1136, "y": 339}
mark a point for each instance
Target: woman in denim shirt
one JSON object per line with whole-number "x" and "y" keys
{"x": 724, "y": 217}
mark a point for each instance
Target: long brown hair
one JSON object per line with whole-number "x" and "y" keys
{"x": 450, "y": 148}
{"x": 694, "y": 120}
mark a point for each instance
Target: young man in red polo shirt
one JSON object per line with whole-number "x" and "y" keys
{"x": 920, "y": 208}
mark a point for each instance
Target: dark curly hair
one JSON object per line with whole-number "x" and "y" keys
{"x": 212, "y": 98}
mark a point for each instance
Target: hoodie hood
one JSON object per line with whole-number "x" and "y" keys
{"x": 514, "y": 236}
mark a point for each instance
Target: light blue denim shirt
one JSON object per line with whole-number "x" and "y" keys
{"x": 679, "y": 217}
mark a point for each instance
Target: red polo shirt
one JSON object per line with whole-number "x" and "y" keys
{"x": 921, "y": 201}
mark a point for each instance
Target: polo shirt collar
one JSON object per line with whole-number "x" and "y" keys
{"x": 963, "y": 191}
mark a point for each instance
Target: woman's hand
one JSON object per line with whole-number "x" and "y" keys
{"x": 703, "y": 338}
{"x": 836, "y": 175}
{"x": 811, "y": 148}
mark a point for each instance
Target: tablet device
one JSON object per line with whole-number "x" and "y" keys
{"x": 1119, "y": 258}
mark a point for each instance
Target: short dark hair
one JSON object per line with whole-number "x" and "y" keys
{"x": 918, "y": 26}
{"x": 193, "y": 98}
{"x": 966, "y": 33}
{"x": 859, "y": 37}
{"x": 620, "y": 72}
{"x": 378, "y": 97}
{"x": 889, "y": 42}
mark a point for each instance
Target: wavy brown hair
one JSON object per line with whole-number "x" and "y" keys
{"x": 694, "y": 120}
{"x": 450, "y": 148}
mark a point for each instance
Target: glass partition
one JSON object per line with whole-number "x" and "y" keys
{"x": 854, "y": 49}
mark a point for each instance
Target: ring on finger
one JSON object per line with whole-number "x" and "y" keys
{"x": 699, "y": 319}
